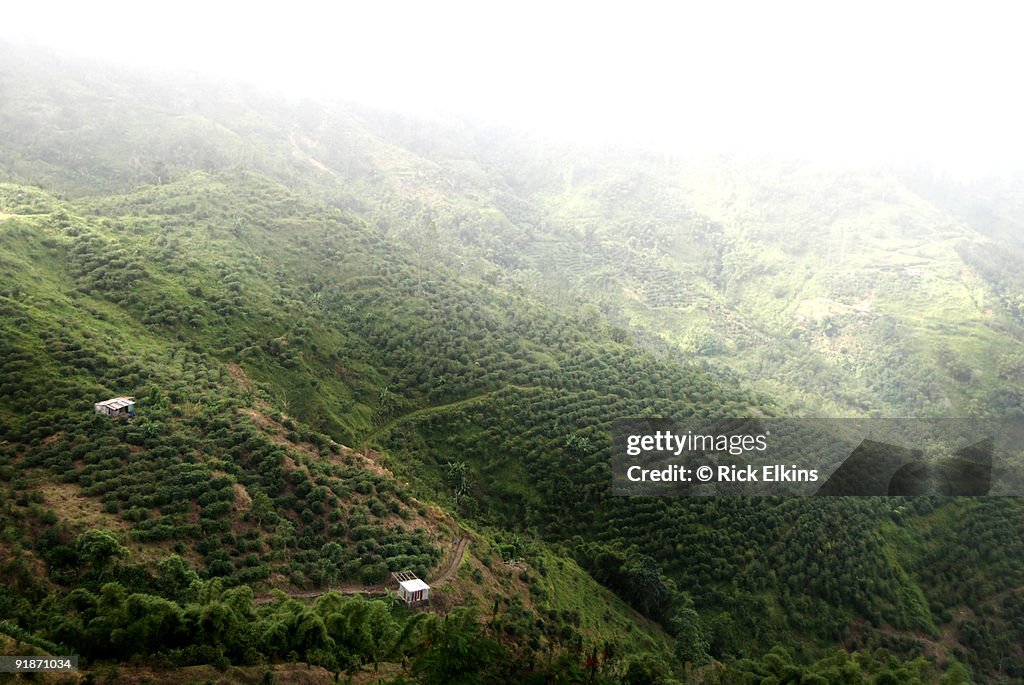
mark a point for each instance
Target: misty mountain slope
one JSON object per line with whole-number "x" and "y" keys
{"x": 467, "y": 313}
{"x": 841, "y": 291}
{"x": 217, "y": 468}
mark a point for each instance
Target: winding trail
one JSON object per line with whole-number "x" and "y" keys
{"x": 442, "y": 407}
{"x": 449, "y": 571}
{"x": 453, "y": 566}
{"x": 939, "y": 648}
{"x": 446, "y": 575}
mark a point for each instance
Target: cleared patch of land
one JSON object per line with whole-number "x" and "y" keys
{"x": 70, "y": 504}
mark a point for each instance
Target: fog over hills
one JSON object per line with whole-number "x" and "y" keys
{"x": 362, "y": 342}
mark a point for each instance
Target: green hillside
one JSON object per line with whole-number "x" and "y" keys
{"x": 354, "y": 339}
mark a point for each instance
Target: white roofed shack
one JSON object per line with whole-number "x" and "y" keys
{"x": 116, "y": 406}
{"x": 411, "y": 589}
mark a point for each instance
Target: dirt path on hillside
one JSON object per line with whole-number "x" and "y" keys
{"x": 299, "y": 153}
{"x": 446, "y": 574}
{"x": 949, "y": 637}
{"x": 441, "y": 407}
{"x": 453, "y": 567}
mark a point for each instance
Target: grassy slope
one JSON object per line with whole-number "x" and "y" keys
{"x": 526, "y": 234}
{"x": 48, "y": 298}
{"x": 840, "y": 291}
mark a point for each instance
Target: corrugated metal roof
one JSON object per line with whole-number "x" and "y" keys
{"x": 117, "y": 402}
{"x": 414, "y": 585}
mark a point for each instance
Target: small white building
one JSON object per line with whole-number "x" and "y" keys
{"x": 116, "y": 406}
{"x": 411, "y": 589}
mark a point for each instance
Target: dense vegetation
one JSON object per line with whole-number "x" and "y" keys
{"x": 334, "y": 321}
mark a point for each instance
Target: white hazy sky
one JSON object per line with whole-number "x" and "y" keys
{"x": 851, "y": 80}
